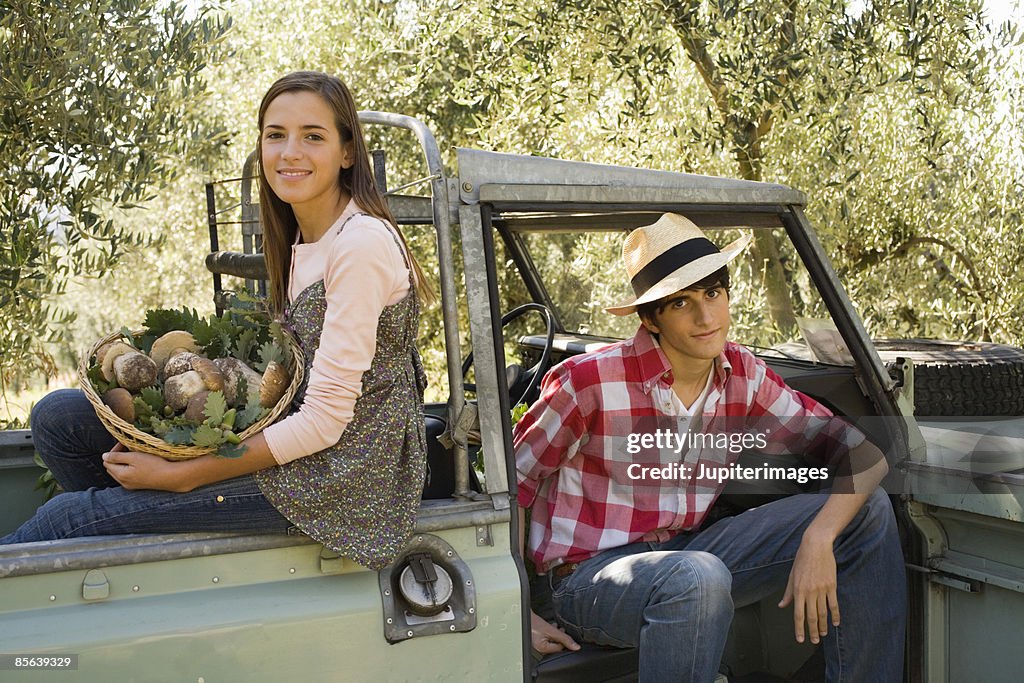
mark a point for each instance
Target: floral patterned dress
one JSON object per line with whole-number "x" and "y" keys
{"x": 360, "y": 496}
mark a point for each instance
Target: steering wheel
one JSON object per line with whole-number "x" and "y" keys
{"x": 518, "y": 377}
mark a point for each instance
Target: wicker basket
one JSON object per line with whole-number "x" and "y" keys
{"x": 136, "y": 440}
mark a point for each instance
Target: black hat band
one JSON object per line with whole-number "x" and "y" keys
{"x": 670, "y": 261}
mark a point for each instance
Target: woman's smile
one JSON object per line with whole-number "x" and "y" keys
{"x": 293, "y": 172}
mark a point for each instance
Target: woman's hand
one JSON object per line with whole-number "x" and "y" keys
{"x": 143, "y": 471}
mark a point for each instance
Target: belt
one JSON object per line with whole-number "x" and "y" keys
{"x": 563, "y": 570}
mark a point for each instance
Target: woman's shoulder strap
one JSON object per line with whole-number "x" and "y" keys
{"x": 347, "y": 220}
{"x": 391, "y": 231}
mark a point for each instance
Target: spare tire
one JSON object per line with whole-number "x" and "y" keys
{"x": 958, "y": 378}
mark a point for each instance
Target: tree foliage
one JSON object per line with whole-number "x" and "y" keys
{"x": 900, "y": 121}
{"x": 882, "y": 101}
{"x": 102, "y": 100}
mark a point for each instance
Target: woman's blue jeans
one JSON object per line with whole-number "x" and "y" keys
{"x": 675, "y": 600}
{"x": 71, "y": 441}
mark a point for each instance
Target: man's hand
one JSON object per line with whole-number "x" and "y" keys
{"x": 812, "y": 581}
{"x": 812, "y": 588}
{"x": 548, "y": 638}
{"x": 143, "y": 471}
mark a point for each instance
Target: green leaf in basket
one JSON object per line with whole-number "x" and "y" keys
{"x": 248, "y": 311}
{"x": 143, "y": 411}
{"x": 128, "y": 338}
{"x": 145, "y": 343}
{"x": 204, "y": 334}
{"x": 206, "y": 436}
{"x": 231, "y": 450}
{"x": 101, "y": 385}
{"x": 215, "y": 408}
{"x": 159, "y": 425}
{"x": 245, "y": 302}
{"x": 281, "y": 338}
{"x": 145, "y": 425}
{"x": 154, "y": 398}
{"x": 241, "y": 390}
{"x": 227, "y": 341}
{"x": 179, "y": 436}
{"x": 276, "y": 331}
{"x": 252, "y": 413}
{"x": 217, "y": 335}
{"x": 270, "y": 351}
{"x": 244, "y": 345}
{"x": 161, "y": 321}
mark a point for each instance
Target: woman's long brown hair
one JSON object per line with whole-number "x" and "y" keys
{"x": 276, "y": 216}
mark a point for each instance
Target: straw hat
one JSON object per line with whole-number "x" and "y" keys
{"x": 670, "y": 255}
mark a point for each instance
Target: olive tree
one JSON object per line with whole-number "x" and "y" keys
{"x": 900, "y": 120}
{"x": 102, "y": 102}
{"x": 889, "y": 117}
{"x": 889, "y": 102}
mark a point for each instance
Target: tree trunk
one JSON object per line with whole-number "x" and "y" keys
{"x": 746, "y": 136}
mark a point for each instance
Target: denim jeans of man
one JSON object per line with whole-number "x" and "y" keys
{"x": 71, "y": 441}
{"x": 675, "y": 600}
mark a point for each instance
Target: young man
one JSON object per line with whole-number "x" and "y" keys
{"x": 619, "y": 503}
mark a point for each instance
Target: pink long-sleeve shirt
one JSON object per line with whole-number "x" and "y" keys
{"x": 363, "y": 270}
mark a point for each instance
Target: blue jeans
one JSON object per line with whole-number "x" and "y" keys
{"x": 675, "y": 600}
{"x": 71, "y": 440}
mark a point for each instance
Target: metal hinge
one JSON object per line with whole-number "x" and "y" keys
{"x": 95, "y": 586}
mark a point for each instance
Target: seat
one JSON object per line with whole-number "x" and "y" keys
{"x": 589, "y": 664}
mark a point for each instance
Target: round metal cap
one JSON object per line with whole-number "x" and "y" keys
{"x": 420, "y": 598}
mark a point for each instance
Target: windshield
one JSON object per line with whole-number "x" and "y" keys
{"x": 771, "y": 307}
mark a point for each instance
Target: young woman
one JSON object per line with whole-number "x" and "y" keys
{"x": 347, "y": 466}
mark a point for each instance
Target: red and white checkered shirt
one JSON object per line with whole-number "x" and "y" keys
{"x": 578, "y": 463}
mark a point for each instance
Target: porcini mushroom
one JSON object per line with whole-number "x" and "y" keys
{"x": 101, "y": 352}
{"x": 196, "y": 409}
{"x": 210, "y": 373}
{"x": 275, "y": 382}
{"x": 120, "y": 401}
{"x": 235, "y": 371}
{"x": 178, "y": 363}
{"x": 111, "y": 352}
{"x": 132, "y": 369}
{"x": 204, "y": 376}
{"x": 170, "y": 345}
{"x": 180, "y": 388}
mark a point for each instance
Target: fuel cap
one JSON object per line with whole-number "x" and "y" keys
{"x": 426, "y": 587}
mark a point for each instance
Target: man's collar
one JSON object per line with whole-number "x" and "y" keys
{"x": 723, "y": 368}
{"x": 653, "y": 365}
{"x": 651, "y": 362}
